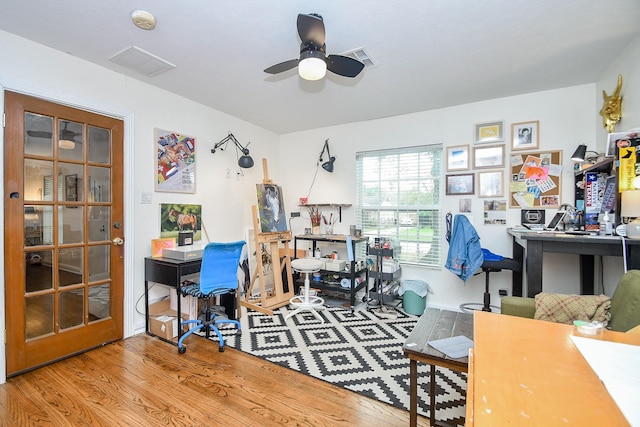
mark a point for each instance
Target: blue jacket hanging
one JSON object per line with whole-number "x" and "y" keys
{"x": 465, "y": 254}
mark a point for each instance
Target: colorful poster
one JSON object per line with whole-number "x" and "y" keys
{"x": 175, "y": 161}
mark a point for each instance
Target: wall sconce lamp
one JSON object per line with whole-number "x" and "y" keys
{"x": 580, "y": 155}
{"x": 245, "y": 161}
{"x": 328, "y": 165}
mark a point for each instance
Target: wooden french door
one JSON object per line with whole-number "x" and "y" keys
{"x": 64, "y": 252}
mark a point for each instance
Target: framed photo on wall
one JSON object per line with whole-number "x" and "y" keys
{"x": 488, "y": 156}
{"x": 524, "y": 135}
{"x": 489, "y": 132}
{"x": 460, "y": 184}
{"x": 491, "y": 184}
{"x": 458, "y": 158}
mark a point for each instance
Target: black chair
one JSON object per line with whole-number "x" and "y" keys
{"x": 218, "y": 276}
{"x": 491, "y": 263}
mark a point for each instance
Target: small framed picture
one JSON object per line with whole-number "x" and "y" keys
{"x": 488, "y": 156}
{"x": 491, "y": 184}
{"x": 458, "y": 158}
{"x": 489, "y": 132}
{"x": 524, "y": 135}
{"x": 460, "y": 184}
{"x": 617, "y": 140}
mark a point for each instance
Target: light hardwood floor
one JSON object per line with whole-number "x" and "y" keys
{"x": 142, "y": 381}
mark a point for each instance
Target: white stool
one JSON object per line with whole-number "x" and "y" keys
{"x": 306, "y": 302}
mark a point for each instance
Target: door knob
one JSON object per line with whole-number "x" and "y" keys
{"x": 118, "y": 241}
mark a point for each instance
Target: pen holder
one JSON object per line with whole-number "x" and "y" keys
{"x": 329, "y": 229}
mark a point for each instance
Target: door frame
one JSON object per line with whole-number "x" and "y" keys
{"x": 127, "y": 116}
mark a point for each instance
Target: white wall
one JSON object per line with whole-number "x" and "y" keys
{"x": 566, "y": 119}
{"x": 627, "y": 65}
{"x": 37, "y": 70}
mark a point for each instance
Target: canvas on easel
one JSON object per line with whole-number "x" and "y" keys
{"x": 272, "y": 274}
{"x": 271, "y": 208}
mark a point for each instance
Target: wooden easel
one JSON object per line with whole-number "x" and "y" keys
{"x": 270, "y": 299}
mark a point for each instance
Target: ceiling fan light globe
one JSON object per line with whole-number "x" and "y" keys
{"x": 312, "y": 68}
{"x": 66, "y": 144}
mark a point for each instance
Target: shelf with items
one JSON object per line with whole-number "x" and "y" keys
{"x": 385, "y": 277}
{"x": 318, "y": 206}
{"x": 355, "y": 271}
{"x": 594, "y": 184}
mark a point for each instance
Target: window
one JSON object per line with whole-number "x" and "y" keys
{"x": 398, "y": 198}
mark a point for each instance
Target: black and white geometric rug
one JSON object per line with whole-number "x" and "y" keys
{"x": 355, "y": 350}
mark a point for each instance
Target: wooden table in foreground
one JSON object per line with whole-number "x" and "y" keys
{"x": 525, "y": 372}
{"x": 434, "y": 324}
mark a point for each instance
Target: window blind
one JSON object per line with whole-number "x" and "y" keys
{"x": 398, "y": 198}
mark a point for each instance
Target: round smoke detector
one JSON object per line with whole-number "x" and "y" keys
{"x": 143, "y": 19}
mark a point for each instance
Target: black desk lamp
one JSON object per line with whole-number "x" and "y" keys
{"x": 245, "y": 161}
{"x": 328, "y": 165}
{"x": 581, "y": 153}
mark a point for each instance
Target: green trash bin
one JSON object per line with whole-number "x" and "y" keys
{"x": 414, "y": 296}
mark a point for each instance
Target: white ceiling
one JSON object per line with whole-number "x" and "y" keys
{"x": 429, "y": 53}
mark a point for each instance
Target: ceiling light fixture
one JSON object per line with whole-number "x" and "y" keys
{"x": 245, "y": 161}
{"x": 328, "y": 165}
{"x": 143, "y": 19}
{"x": 312, "y": 65}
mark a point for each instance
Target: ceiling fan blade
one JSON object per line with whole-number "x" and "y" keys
{"x": 283, "y": 66}
{"x": 344, "y": 65}
{"x": 311, "y": 29}
{"x": 39, "y": 134}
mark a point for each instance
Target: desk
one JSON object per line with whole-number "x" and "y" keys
{"x": 434, "y": 324}
{"x": 529, "y": 372}
{"x": 529, "y": 247}
{"x": 169, "y": 272}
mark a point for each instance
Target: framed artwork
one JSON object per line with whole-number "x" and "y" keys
{"x": 175, "y": 162}
{"x": 271, "y": 208}
{"x": 491, "y": 184}
{"x": 489, "y": 132}
{"x": 488, "y": 156}
{"x": 524, "y": 135}
{"x": 458, "y": 158}
{"x": 71, "y": 188}
{"x": 460, "y": 184}
{"x": 175, "y": 218}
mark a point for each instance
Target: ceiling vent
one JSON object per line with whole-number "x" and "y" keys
{"x": 143, "y": 62}
{"x": 361, "y": 55}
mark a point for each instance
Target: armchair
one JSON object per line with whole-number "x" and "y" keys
{"x": 624, "y": 310}
{"x": 218, "y": 276}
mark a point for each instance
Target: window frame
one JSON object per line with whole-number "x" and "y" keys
{"x": 411, "y": 221}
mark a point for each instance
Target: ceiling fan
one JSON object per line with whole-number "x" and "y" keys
{"x": 314, "y": 62}
{"x": 67, "y": 138}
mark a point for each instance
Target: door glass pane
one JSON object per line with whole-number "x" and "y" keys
{"x": 99, "y": 145}
{"x": 73, "y": 182}
{"x": 32, "y": 226}
{"x": 37, "y": 176}
{"x": 70, "y": 140}
{"x": 70, "y": 266}
{"x": 99, "y": 262}
{"x": 99, "y": 220}
{"x": 71, "y": 308}
{"x": 99, "y": 184}
{"x": 99, "y": 302}
{"x": 38, "y": 315}
{"x": 38, "y": 272}
{"x": 70, "y": 220}
{"x": 38, "y": 138}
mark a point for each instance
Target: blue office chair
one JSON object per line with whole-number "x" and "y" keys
{"x": 218, "y": 276}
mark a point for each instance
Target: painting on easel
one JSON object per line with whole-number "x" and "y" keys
{"x": 271, "y": 208}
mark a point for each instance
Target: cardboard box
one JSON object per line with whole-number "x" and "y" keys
{"x": 163, "y": 321}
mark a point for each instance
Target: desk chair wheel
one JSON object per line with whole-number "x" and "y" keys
{"x": 182, "y": 350}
